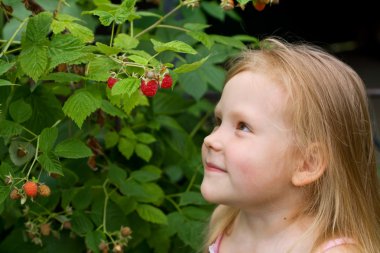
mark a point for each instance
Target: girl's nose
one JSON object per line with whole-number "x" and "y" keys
{"x": 213, "y": 141}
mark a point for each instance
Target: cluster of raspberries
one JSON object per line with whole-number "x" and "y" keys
{"x": 149, "y": 87}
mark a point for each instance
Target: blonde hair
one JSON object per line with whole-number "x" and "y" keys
{"x": 327, "y": 105}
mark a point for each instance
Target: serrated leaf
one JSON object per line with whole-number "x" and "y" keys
{"x": 20, "y": 111}
{"x": 72, "y": 148}
{"x": 99, "y": 68}
{"x": 4, "y": 193}
{"x": 175, "y": 45}
{"x": 143, "y": 192}
{"x": 193, "y": 84}
{"x": 145, "y": 138}
{"x": 34, "y": 60}
{"x": 126, "y": 147}
{"x": 7, "y": 83}
{"x": 138, "y": 59}
{"x": 62, "y": 77}
{"x": 214, "y": 10}
{"x": 81, "y": 32}
{"x": 107, "y": 50}
{"x": 147, "y": 173}
{"x": 47, "y": 138}
{"x": 126, "y": 86}
{"x": 105, "y": 17}
{"x": 126, "y": 42}
{"x": 38, "y": 27}
{"x": 9, "y": 128}
{"x": 196, "y": 26}
{"x": 228, "y": 41}
{"x": 93, "y": 240}
{"x": 108, "y": 108}
{"x": 5, "y": 66}
{"x": 80, "y": 105}
{"x": 111, "y": 139}
{"x": 50, "y": 163}
{"x": 143, "y": 151}
{"x": 81, "y": 224}
{"x": 191, "y": 198}
{"x": 191, "y": 66}
{"x": 151, "y": 214}
{"x": 202, "y": 37}
{"x": 116, "y": 175}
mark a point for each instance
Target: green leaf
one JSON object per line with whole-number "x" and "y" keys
{"x": 80, "y": 105}
{"x": 105, "y": 17}
{"x": 116, "y": 175}
{"x": 126, "y": 42}
{"x": 107, "y": 50}
{"x": 65, "y": 48}
{"x": 6, "y": 83}
{"x": 128, "y": 85}
{"x": 47, "y": 138}
{"x": 143, "y": 192}
{"x": 99, "y": 68}
{"x": 151, "y": 214}
{"x": 38, "y": 27}
{"x": 146, "y": 174}
{"x": 228, "y": 41}
{"x": 81, "y": 224}
{"x": 93, "y": 239}
{"x": 190, "y": 67}
{"x": 4, "y": 193}
{"x": 108, "y": 108}
{"x": 191, "y": 198}
{"x": 126, "y": 147}
{"x": 81, "y": 32}
{"x": 5, "y": 66}
{"x": 175, "y": 45}
{"x": 62, "y": 77}
{"x": 193, "y": 84}
{"x": 34, "y": 60}
{"x": 50, "y": 163}
{"x": 20, "y": 111}
{"x": 145, "y": 138}
{"x": 9, "y": 128}
{"x": 72, "y": 148}
{"x": 214, "y": 10}
{"x": 5, "y": 169}
{"x": 143, "y": 151}
{"x": 111, "y": 139}
{"x": 202, "y": 37}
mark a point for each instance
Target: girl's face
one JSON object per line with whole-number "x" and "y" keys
{"x": 247, "y": 161}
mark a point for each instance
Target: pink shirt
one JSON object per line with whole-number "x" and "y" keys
{"x": 214, "y": 248}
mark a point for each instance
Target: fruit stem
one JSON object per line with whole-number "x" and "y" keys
{"x": 35, "y": 157}
{"x": 105, "y": 205}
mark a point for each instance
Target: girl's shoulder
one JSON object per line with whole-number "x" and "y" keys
{"x": 339, "y": 245}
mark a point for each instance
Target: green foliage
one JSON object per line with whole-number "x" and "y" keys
{"x": 115, "y": 160}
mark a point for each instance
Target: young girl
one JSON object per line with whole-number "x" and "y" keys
{"x": 291, "y": 159}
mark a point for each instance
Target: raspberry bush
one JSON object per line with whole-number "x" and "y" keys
{"x": 103, "y": 109}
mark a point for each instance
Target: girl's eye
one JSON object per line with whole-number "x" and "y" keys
{"x": 243, "y": 127}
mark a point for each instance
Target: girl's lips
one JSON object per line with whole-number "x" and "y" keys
{"x": 213, "y": 168}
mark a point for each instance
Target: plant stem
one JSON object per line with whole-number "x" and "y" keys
{"x": 192, "y": 180}
{"x": 173, "y": 27}
{"x": 199, "y": 125}
{"x": 112, "y": 33}
{"x": 160, "y": 20}
{"x": 174, "y": 204}
{"x": 105, "y": 205}
{"x": 13, "y": 36}
{"x": 35, "y": 158}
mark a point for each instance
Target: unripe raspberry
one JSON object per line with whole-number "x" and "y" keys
{"x": 125, "y": 231}
{"x": 167, "y": 82}
{"x": 150, "y": 88}
{"x": 118, "y": 248}
{"x": 45, "y": 229}
{"x": 44, "y": 190}
{"x": 30, "y": 189}
{"x": 14, "y": 194}
{"x": 103, "y": 246}
{"x": 66, "y": 225}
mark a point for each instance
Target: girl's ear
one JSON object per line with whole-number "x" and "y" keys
{"x": 311, "y": 167}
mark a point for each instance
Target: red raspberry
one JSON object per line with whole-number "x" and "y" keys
{"x": 111, "y": 82}
{"x": 167, "y": 82}
{"x": 44, "y": 190}
{"x": 30, "y": 189}
{"x": 259, "y": 6}
{"x": 150, "y": 88}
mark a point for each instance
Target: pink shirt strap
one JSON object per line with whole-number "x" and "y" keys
{"x": 214, "y": 248}
{"x": 337, "y": 242}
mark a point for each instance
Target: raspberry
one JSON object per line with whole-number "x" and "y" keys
{"x": 167, "y": 82}
{"x": 30, "y": 189}
{"x": 125, "y": 231}
{"x": 259, "y": 6}
{"x": 111, "y": 82}
{"x": 45, "y": 229}
{"x": 14, "y": 194}
{"x": 44, "y": 190}
{"x": 149, "y": 89}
